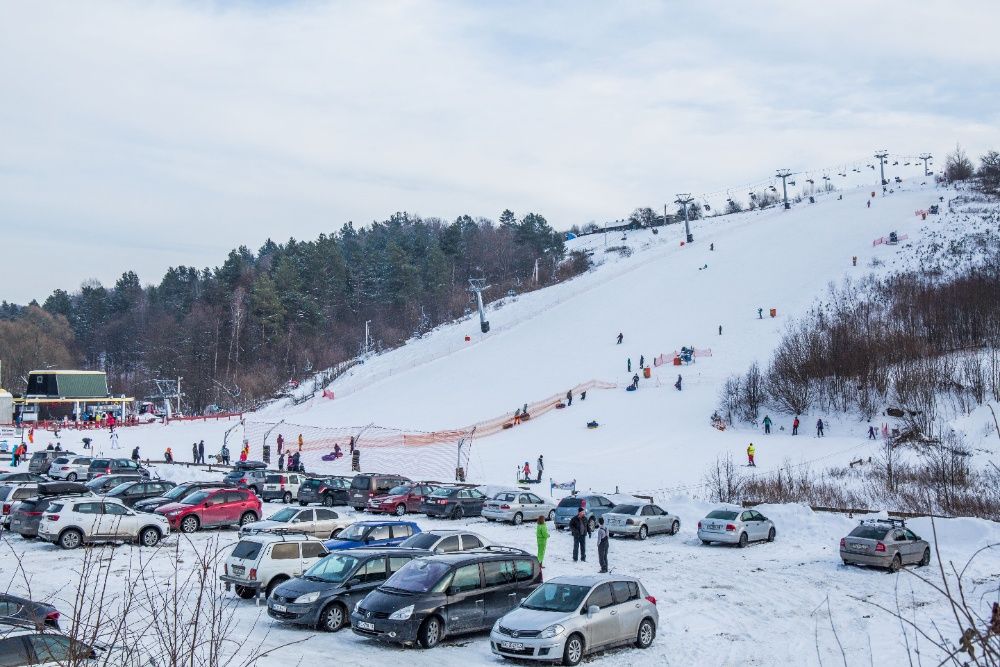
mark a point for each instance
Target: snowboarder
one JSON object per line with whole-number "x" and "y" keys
{"x": 526, "y": 471}
{"x": 871, "y": 432}
{"x": 767, "y": 424}
{"x": 603, "y": 540}
{"x": 281, "y": 461}
{"x": 620, "y": 339}
{"x": 751, "y": 450}
{"x": 194, "y": 452}
{"x": 642, "y": 361}
{"x": 677, "y": 385}
{"x": 281, "y": 442}
{"x": 760, "y": 313}
{"x": 819, "y": 428}
{"x": 795, "y": 425}
{"x": 224, "y": 454}
{"x": 542, "y": 538}
{"x": 580, "y": 529}
{"x": 168, "y": 456}
{"x": 629, "y": 365}
{"x": 541, "y": 467}
{"x": 201, "y": 452}
{"x": 135, "y": 454}
{"x": 569, "y": 397}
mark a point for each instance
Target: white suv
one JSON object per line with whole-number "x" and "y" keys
{"x": 261, "y": 562}
{"x": 283, "y": 486}
{"x": 70, "y": 522}
{"x": 70, "y": 468}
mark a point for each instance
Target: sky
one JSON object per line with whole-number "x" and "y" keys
{"x": 143, "y": 134}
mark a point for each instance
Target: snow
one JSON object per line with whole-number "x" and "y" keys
{"x": 769, "y": 604}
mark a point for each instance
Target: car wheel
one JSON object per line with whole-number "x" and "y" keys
{"x": 573, "y": 651}
{"x": 400, "y": 509}
{"x": 302, "y": 503}
{"x": 333, "y": 617}
{"x": 245, "y": 592}
{"x": 926, "y": 559}
{"x": 552, "y": 515}
{"x": 71, "y": 477}
{"x": 518, "y": 518}
{"x": 675, "y": 527}
{"x": 149, "y": 537}
{"x": 706, "y": 542}
{"x": 287, "y": 498}
{"x": 429, "y": 634}
{"x": 743, "y": 540}
{"x": 647, "y": 633}
{"x": 189, "y": 524}
{"x": 770, "y": 535}
{"x": 327, "y": 501}
{"x": 846, "y": 561}
{"x": 248, "y": 517}
{"x": 643, "y": 532}
{"x": 274, "y": 583}
{"x": 458, "y": 513}
{"x": 896, "y": 564}
{"x": 71, "y": 539}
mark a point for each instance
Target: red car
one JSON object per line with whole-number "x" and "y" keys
{"x": 212, "y": 507}
{"x": 401, "y": 499}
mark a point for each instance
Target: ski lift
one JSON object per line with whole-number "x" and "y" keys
{"x": 871, "y": 166}
{"x": 812, "y": 182}
{"x": 791, "y": 182}
{"x": 752, "y": 195}
{"x": 773, "y": 189}
{"x": 827, "y": 178}
{"x": 906, "y": 164}
{"x": 895, "y": 163}
{"x": 707, "y": 207}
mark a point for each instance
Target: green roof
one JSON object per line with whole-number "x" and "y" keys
{"x": 82, "y": 385}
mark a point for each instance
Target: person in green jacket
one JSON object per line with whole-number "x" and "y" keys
{"x": 542, "y": 535}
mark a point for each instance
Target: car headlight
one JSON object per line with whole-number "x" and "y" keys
{"x": 402, "y": 614}
{"x": 357, "y": 604}
{"x": 308, "y": 597}
{"x": 552, "y": 631}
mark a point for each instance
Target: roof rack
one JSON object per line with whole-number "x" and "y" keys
{"x": 494, "y": 548}
{"x": 278, "y": 532}
{"x": 889, "y": 520}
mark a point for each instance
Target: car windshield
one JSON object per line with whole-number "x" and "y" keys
{"x": 284, "y": 515}
{"x": 353, "y": 533}
{"x": 556, "y": 597}
{"x": 444, "y": 493}
{"x": 726, "y": 515}
{"x": 361, "y": 483}
{"x": 335, "y": 568}
{"x": 399, "y": 491}
{"x": 195, "y": 498}
{"x": 626, "y": 509}
{"x": 120, "y": 489}
{"x": 417, "y": 576}
{"x": 869, "y": 531}
{"x": 247, "y": 549}
{"x": 420, "y": 541}
{"x": 178, "y": 492}
{"x": 572, "y": 501}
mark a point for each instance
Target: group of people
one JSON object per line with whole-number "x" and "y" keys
{"x": 820, "y": 426}
{"x": 526, "y": 470}
{"x": 198, "y": 452}
{"x": 521, "y": 414}
{"x": 19, "y": 453}
{"x": 294, "y": 461}
{"x": 579, "y": 528}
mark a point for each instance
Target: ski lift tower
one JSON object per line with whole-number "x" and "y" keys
{"x": 167, "y": 390}
{"x": 925, "y": 157}
{"x": 684, "y": 200}
{"x": 477, "y": 286}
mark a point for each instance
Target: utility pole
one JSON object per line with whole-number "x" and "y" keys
{"x": 179, "y": 395}
{"x": 476, "y": 286}
{"x": 881, "y": 157}
{"x": 925, "y": 157}
{"x": 783, "y": 174}
{"x": 367, "y": 347}
{"x": 684, "y": 200}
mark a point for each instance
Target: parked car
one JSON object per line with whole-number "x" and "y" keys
{"x": 212, "y": 507}
{"x": 246, "y": 479}
{"x": 454, "y": 502}
{"x": 132, "y": 492}
{"x": 9, "y": 477}
{"x": 518, "y": 507}
{"x": 261, "y": 562}
{"x": 327, "y": 491}
{"x": 101, "y": 467}
{"x": 734, "y": 526}
{"x": 400, "y": 499}
{"x": 14, "y": 493}
{"x": 282, "y": 486}
{"x": 595, "y": 506}
{"x": 41, "y": 461}
{"x": 373, "y": 534}
{"x": 447, "y": 594}
{"x": 640, "y": 521}
{"x": 26, "y": 514}
{"x": 445, "y": 541}
{"x": 178, "y": 492}
{"x": 320, "y": 522}
{"x": 568, "y": 617}
{"x": 70, "y": 468}
{"x": 70, "y": 522}
{"x": 368, "y": 485}
{"x": 21, "y": 611}
{"x": 249, "y": 465}
{"x": 104, "y": 483}
{"x": 884, "y": 543}
{"x": 323, "y": 597}
{"x": 20, "y": 645}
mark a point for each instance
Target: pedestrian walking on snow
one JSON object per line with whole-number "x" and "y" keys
{"x": 819, "y": 428}
{"x": 677, "y": 385}
{"x": 603, "y": 542}
{"x": 795, "y": 425}
{"x": 635, "y": 380}
{"x": 301, "y": 442}
{"x": 281, "y": 443}
{"x": 281, "y": 461}
{"x": 194, "y": 452}
{"x": 720, "y": 329}
{"x": 541, "y": 538}
{"x": 767, "y": 424}
{"x": 201, "y": 451}
{"x": 642, "y": 361}
{"x": 751, "y": 450}
{"x": 135, "y": 454}
{"x": 620, "y": 339}
{"x": 629, "y": 365}
{"x": 168, "y": 456}
{"x": 541, "y": 467}
{"x": 579, "y": 527}
{"x": 569, "y": 397}
{"x": 871, "y": 432}
{"x": 760, "y": 313}
{"x": 517, "y": 417}
{"x": 526, "y": 471}
{"x": 224, "y": 454}
{"x": 583, "y": 395}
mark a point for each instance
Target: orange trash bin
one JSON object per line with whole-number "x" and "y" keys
{"x": 646, "y": 372}
{"x": 774, "y": 312}
{"x": 677, "y": 361}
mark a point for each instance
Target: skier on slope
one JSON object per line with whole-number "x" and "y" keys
{"x": 751, "y": 450}
{"x": 620, "y": 338}
{"x": 767, "y": 424}
{"x": 819, "y": 428}
{"x": 871, "y": 432}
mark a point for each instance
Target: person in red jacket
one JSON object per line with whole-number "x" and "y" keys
{"x": 795, "y": 426}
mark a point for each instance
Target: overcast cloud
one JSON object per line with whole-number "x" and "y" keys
{"x": 142, "y": 134}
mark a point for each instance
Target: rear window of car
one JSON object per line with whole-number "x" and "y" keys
{"x": 505, "y": 497}
{"x": 569, "y": 502}
{"x": 626, "y": 509}
{"x": 869, "y": 532}
{"x": 247, "y": 549}
{"x": 311, "y": 484}
{"x": 361, "y": 483}
{"x": 4, "y": 492}
{"x": 61, "y": 460}
{"x": 722, "y": 514}
{"x": 54, "y": 507}
{"x": 38, "y": 456}
{"x": 100, "y": 463}
{"x": 273, "y": 479}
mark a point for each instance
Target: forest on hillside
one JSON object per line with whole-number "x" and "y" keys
{"x": 238, "y": 332}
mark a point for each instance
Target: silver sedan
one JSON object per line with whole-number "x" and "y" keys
{"x": 517, "y": 507}
{"x": 640, "y": 521}
{"x": 320, "y": 522}
{"x": 734, "y": 526}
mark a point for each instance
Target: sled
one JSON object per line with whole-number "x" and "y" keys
{"x": 631, "y": 387}
{"x": 508, "y": 425}
{"x": 332, "y": 457}
{"x": 560, "y": 406}
{"x": 529, "y": 481}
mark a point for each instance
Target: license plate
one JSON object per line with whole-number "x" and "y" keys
{"x": 364, "y": 625}
{"x": 280, "y": 607}
{"x": 237, "y": 569}
{"x": 513, "y": 646}
{"x": 860, "y": 547}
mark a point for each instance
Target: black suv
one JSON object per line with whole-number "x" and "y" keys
{"x": 132, "y": 492}
{"x": 334, "y": 585}
{"x": 454, "y": 502}
{"x": 449, "y": 594}
{"x": 174, "y": 495}
{"x": 369, "y": 485}
{"x": 329, "y": 491}
{"x": 100, "y": 467}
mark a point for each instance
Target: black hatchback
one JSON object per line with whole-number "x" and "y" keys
{"x": 174, "y": 495}
{"x": 449, "y": 594}
{"x": 324, "y": 595}
{"x": 27, "y": 516}
{"x": 100, "y": 467}
{"x": 454, "y": 502}
{"x": 132, "y": 492}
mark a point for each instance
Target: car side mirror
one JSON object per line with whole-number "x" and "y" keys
{"x": 450, "y": 591}
{"x": 592, "y": 610}
{"x": 353, "y": 581}
{"x": 206, "y": 505}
